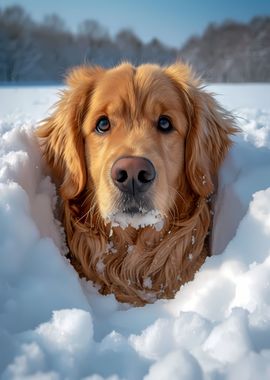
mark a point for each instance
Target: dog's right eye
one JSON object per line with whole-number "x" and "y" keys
{"x": 164, "y": 124}
{"x": 103, "y": 124}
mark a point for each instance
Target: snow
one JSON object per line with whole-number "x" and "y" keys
{"x": 145, "y": 218}
{"x": 55, "y": 326}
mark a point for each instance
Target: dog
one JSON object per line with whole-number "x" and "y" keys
{"x": 135, "y": 153}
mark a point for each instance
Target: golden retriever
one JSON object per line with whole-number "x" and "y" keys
{"x": 135, "y": 152}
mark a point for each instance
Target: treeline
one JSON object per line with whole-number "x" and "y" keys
{"x": 232, "y": 52}
{"x": 42, "y": 52}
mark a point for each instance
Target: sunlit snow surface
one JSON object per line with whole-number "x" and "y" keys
{"x": 55, "y": 326}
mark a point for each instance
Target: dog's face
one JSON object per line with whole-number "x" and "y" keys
{"x": 126, "y": 143}
{"x": 142, "y": 139}
{"x": 134, "y": 135}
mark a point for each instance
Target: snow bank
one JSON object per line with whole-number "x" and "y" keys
{"x": 55, "y": 326}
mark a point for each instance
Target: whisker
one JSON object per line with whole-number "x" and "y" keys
{"x": 178, "y": 193}
{"x": 170, "y": 211}
{"x": 89, "y": 211}
{"x": 90, "y": 192}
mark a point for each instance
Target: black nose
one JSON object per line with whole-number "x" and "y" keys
{"x": 133, "y": 174}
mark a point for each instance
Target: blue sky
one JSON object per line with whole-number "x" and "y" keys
{"x": 172, "y": 21}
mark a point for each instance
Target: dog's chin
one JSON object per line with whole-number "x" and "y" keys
{"x": 136, "y": 217}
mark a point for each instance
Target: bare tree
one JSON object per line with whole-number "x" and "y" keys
{"x": 18, "y": 51}
{"x": 94, "y": 41}
{"x": 130, "y": 46}
{"x": 92, "y": 30}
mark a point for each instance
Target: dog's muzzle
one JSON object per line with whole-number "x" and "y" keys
{"x": 133, "y": 176}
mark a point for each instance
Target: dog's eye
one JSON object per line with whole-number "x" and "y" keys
{"x": 103, "y": 124}
{"x": 164, "y": 124}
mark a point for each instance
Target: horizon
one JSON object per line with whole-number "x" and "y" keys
{"x": 184, "y": 20}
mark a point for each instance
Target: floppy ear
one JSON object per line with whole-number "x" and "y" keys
{"x": 61, "y": 135}
{"x": 209, "y": 130}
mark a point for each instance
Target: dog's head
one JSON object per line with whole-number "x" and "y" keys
{"x": 140, "y": 138}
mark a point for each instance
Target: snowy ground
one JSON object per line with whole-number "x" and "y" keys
{"x": 54, "y": 326}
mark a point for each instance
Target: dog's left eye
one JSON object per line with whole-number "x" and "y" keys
{"x": 103, "y": 124}
{"x": 164, "y": 124}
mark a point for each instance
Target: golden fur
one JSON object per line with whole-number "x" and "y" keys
{"x": 186, "y": 162}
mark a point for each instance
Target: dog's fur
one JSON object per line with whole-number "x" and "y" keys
{"x": 137, "y": 265}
